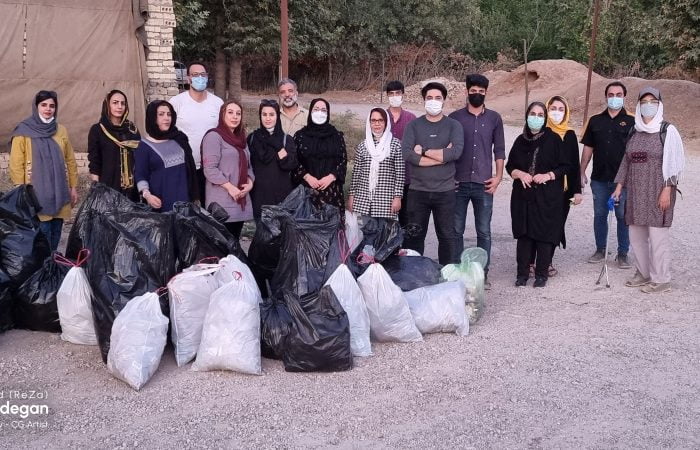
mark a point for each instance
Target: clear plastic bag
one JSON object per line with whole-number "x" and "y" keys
{"x": 74, "y": 301}
{"x": 189, "y": 294}
{"x": 389, "y": 316}
{"x": 353, "y": 233}
{"x": 350, "y": 297}
{"x": 439, "y": 308}
{"x": 138, "y": 339}
{"x": 470, "y": 271}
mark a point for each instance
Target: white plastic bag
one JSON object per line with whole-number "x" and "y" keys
{"x": 74, "y": 300}
{"x": 231, "y": 333}
{"x": 390, "y": 319}
{"x": 440, "y": 308}
{"x": 138, "y": 338}
{"x": 350, "y": 297}
{"x": 189, "y": 294}
{"x": 231, "y": 268}
{"x": 353, "y": 232}
{"x": 470, "y": 271}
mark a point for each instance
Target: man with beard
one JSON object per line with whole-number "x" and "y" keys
{"x": 483, "y": 143}
{"x": 294, "y": 117}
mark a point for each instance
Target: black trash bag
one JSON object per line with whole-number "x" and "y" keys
{"x": 131, "y": 253}
{"x": 275, "y": 324}
{"x": 35, "y": 305}
{"x": 199, "y": 235}
{"x": 385, "y": 236}
{"x": 6, "y": 301}
{"x": 306, "y": 245}
{"x": 412, "y": 272}
{"x": 319, "y": 339}
{"x": 218, "y": 212}
{"x": 23, "y": 247}
{"x": 101, "y": 199}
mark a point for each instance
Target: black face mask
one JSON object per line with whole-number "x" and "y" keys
{"x": 476, "y": 100}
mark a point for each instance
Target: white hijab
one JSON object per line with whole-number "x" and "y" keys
{"x": 673, "y": 156}
{"x": 378, "y": 152}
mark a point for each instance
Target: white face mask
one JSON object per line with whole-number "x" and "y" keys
{"x": 319, "y": 117}
{"x": 433, "y": 107}
{"x": 395, "y": 101}
{"x": 45, "y": 120}
{"x": 556, "y": 116}
{"x": 270, "y": 130}
{"x": 377, "y": 135}
{"x": 649, "y": 110}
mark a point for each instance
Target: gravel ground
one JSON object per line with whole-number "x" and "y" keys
{"x": 571, "y": 365}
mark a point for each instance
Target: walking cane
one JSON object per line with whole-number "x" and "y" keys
{"x": 604, "y": 271}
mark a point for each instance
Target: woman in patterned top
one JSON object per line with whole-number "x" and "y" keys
{"x": 653, "y": 162}
{"x": 378, "y": 177}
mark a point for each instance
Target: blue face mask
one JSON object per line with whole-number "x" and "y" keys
{"x": 535, "y": 123}
{"x": 199, "y": 83}
{"x": 616, "y": 103}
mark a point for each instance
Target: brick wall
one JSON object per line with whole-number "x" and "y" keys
{"x": 159, "y": 59}
{"x": 81, "y": 160}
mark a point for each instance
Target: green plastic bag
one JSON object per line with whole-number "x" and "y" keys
{"x": 470, "y": 272}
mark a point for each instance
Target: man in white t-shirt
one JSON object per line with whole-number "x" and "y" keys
{"x": 197, "y": 112}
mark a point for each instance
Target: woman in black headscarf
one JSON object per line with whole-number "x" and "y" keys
{"x": 273, "y": 156}
{"x": 537, "y": 165}
{"x": 111, "y": 143}
{"x": 322, "y": 156}
{"x": 164, "y": 169}
{"x": 42, "y": 155}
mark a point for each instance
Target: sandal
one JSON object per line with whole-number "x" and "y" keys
{"x": 552, "y": 271}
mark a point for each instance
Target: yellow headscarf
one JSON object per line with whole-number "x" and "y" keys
{"x": 562, "y": 127}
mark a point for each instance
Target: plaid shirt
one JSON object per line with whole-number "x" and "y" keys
{"x": 389, "y": 183}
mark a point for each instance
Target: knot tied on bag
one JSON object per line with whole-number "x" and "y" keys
{"x": 83, "y": 256}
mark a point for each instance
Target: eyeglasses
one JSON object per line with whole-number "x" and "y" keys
{"x": 376, "y": 120}
{"x": 266, "y": 102}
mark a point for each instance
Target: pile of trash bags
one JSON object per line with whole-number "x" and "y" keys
{"x": 311, "y": 292}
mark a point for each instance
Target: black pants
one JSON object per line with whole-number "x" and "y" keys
{"x": 567, "y": 207}
{"x": 403, "y": 212}
{"x": 201, "y": 179}
{"x": 442, "y": 205}
{"x": 543, "y": 256}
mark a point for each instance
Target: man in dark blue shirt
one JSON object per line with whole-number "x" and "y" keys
{"x": 484, "y": 142}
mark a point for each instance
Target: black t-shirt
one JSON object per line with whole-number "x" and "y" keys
{"x": 608, "y": 137}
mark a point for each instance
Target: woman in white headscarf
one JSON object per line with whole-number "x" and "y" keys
{"x": 651, "y": 169}
{"x": 378, "y": 175}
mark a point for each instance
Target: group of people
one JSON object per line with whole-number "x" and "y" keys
{"x": 195, "y": 148}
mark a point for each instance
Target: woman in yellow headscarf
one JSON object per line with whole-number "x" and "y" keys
{"x": 558, "y": 114}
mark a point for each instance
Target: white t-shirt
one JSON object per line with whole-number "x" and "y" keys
{"x": 194, "y": 119}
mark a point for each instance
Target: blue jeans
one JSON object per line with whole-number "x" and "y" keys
{"x": 602, "y": 190}
{"x": 52, "y": 230}
{"x": 483, "y": 209}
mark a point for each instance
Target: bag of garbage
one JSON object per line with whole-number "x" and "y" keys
{"x": 35, "y": 300}
{"x": 350, "y": 297}
{"x": 6, "y": 302}
{"x": 390, "y": 319}
{"x": 231, "y": 332}
{"x": 100, "y": 199}
{"x": 439, "y": 308}
{"x": 319, "y": 339}
{"x": 199, "y": 235}
{"x": 470, "y": 271}
{"x": 132, "y": 253}
{"x": 353, "y": 232}
{"x": 138, "y": 340}
{"x": 189, "y": 293}
{"x": 412, "y": 272}
{"x": 23, "y": 247}
{"x": 74, "y": 302}
{"x": 275, "y": 324}
{"x": 384, "y": 236}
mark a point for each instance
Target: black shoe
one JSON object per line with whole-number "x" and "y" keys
{"x": 521, "y": 281}
{"x": 540, "y": 282}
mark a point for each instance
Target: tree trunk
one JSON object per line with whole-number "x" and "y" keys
{"x": 234, "y": 78}
{"x": 220, "y": 62}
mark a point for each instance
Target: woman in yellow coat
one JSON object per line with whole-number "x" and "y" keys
{"x": 43, "y": 156}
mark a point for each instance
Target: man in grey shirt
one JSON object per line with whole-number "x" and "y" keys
{"x": 431, "y": 144}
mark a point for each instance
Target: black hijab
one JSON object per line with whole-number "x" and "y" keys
{"x": 126, "y": 129}
{"x": 176, "y": 135}
{"x": 264, "y": 145}
{"x": 527, "y": 133}
{"x": 322, "y": 141}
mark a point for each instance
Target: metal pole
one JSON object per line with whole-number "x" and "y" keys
{"x": 591, "y": 57}
{"x": 284, "y": 28}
